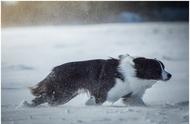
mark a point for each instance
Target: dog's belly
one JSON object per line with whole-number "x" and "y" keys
{"x": 118, "y": 90}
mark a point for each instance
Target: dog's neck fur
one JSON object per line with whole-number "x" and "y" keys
{"x": 137, "y": 85}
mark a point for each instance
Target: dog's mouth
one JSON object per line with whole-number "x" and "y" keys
{"x": 166, "y": 79}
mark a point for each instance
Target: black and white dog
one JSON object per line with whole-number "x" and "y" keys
{"x": 105, "y": 80}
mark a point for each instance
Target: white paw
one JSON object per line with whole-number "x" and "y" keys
{"x": 107, "y": 103}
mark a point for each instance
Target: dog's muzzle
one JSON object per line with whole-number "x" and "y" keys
{"x": 166, "y": 76}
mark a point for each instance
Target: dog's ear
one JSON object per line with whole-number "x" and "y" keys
{"x": 140, "y": 62}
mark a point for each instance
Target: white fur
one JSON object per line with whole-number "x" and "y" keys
{"x": 132, "y": 83}
{"x": 164, "y": 73}
{"x": 120, "y": 89}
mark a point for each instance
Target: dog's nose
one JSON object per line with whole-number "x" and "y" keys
{"x": 169, "y": 76}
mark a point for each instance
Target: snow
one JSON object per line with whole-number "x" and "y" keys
{"x": 29, "y": 53}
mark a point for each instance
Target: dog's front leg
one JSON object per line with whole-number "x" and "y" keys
{"x": 133, "y": 101}
{"x": 91, "y": 101}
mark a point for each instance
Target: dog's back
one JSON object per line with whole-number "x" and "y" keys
{"x": 65, "y": 80}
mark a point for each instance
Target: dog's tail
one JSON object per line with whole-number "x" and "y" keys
{"x": 38, "y": 89}
{"x": 43, "y": 86}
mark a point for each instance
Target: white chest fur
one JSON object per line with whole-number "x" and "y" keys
{"x": 137, "y": 87}
{"x": 132, "y": 83}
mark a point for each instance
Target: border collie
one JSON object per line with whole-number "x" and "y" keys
{"x": 105, "y": 80}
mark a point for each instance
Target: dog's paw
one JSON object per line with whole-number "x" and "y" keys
{"x": 134, "y": 102}
{"x": 91, "y": 101}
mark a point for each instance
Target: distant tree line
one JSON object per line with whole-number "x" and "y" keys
{"x": 64, "y": 12}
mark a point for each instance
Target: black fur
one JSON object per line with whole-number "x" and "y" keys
{"x": 62, "y": 84}
{"x": 148, "y": 68}
{"x": 95, "y": 76}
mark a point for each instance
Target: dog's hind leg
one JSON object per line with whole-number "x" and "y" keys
{"x": 133, "y": 100}
{"x": 63, "y": 98}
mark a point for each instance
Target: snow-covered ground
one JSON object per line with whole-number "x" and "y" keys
{"x": 28, "y": 55}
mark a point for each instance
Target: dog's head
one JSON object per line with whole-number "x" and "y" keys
{"x": 144, "y": 68}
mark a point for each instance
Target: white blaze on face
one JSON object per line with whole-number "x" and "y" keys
{"x": 164, "y": 73}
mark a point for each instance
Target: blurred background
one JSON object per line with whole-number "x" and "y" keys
{"x": 90, "y": 12}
